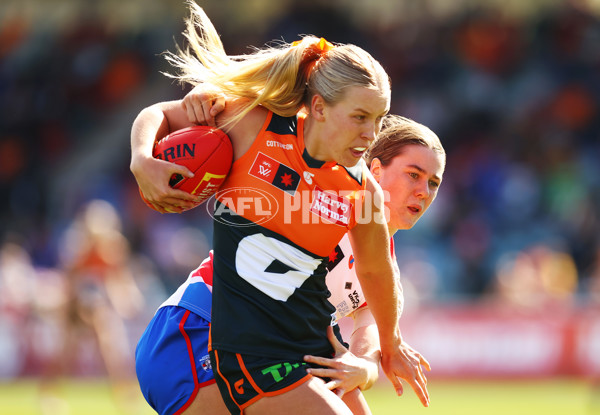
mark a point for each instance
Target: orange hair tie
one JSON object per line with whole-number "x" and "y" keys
{"x": 313, "y": 53}
{"x": 323, "y": 45}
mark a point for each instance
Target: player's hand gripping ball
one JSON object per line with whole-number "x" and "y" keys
{"x": 206, "y": 151}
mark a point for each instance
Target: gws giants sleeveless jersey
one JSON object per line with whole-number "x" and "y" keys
{"x": 276, "y": 219}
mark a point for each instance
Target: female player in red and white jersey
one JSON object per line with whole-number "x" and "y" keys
{"x": 408, "y": 160}
{"x": 269, "y": 295}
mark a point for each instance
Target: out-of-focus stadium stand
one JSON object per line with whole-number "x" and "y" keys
{"x": 512, "y": 88}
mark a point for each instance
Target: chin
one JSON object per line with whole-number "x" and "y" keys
{"x": 348, "y": 163}
{"x": 407, "y": 224}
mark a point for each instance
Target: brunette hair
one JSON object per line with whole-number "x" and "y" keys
{"x": 398, "y": 132}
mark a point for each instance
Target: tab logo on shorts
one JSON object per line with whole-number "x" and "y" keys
{"x": 331, "y": 207}
{"x": 275, "y": 173}
{"x": 281, "y": 370}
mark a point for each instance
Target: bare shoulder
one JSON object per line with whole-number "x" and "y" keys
{"x": 243, "y": 132}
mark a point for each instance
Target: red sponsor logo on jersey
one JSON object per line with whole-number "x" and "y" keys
{"x": 335, "y": 257}
{"x": 275, "y": 173}
{"x": 331, "y": 207}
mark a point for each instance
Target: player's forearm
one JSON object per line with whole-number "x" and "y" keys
{"x": 383, "y": 296}
{"x": 376, "y": 270}
{"x": 150, "y": 124}
{"x": 400, "y": 290}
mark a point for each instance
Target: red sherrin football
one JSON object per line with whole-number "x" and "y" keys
{"x": 206, "y": 151}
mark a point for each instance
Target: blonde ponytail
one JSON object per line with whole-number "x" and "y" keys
{"x": 282, "y": 78}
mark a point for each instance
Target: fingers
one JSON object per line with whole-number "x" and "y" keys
{"x": 190, "y": 110}
{"x": 323, "y": 373}
{"x": 202, "y": 107}
{"x": 398, "y": 386}
{"x": 418, "y": 382}
{"x": 421, "y": 378}
{"x": 209, "y": 118}
{"x": 173, "y": 204}
{"x": 197, "y": 110}
{"x": 425, "y": 363}
{"x": 218, "y": 106}
{"x": 421, "y": 391}
{"x": 182, "y": 170}
{"x": 197, "y": 107}
{"x": 318, "y": 360}
{"x": 332, "y": 384}
{"x": 335, "y": 386}
{"x": 183, "y": 199}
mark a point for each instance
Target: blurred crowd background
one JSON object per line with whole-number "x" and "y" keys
{"x": 512, "y": 88}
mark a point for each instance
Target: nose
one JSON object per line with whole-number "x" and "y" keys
{"x": 369, "y": 134}
{"x": 422, "y": 190}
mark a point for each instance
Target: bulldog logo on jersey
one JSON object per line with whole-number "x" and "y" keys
{"x": 275, "y": 173}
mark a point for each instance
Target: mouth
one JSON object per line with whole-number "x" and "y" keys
{"x": 415, "y": 209}
{"x": 358, "y": 151}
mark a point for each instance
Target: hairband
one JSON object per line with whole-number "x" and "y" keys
{"x": 323, "y": 45}
{"x": 312, "y": 54}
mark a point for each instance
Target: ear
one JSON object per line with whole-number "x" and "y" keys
{"x": 376, "y": 169}
{"x": 317, "y": 107}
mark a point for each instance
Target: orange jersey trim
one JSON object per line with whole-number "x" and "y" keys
{"x": 226, "y": 381}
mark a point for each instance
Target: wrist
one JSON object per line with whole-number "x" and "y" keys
{"x": 390, "y": 340}
{"x": 138, "y": 160}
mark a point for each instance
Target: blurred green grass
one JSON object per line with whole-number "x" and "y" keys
{"x": 448, "y": 397}
{"x": 490, "y": 397}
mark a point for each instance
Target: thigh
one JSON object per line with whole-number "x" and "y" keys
{"x": 308, "y": 398}
{"x": 208, "y": 401}
{"x": 357, "y": 403}
{"x": 255, "y": 384}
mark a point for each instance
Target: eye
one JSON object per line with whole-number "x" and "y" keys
{"x": 434, "y": 184}
{"x": 360, "y": 117}
{"x": 414, "y": 175}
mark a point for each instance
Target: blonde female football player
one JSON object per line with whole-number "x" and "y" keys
{"x": 408, "y": 160}
{"x": 269, "y": 298}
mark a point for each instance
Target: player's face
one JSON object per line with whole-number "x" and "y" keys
{"x": 353, "y": 123}
{"x": 411, "y": 180}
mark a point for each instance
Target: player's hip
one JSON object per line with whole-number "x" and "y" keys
{"x": 172, "y": 360}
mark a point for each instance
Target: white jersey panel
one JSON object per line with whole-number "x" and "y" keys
{"x": 346, "y": 292}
